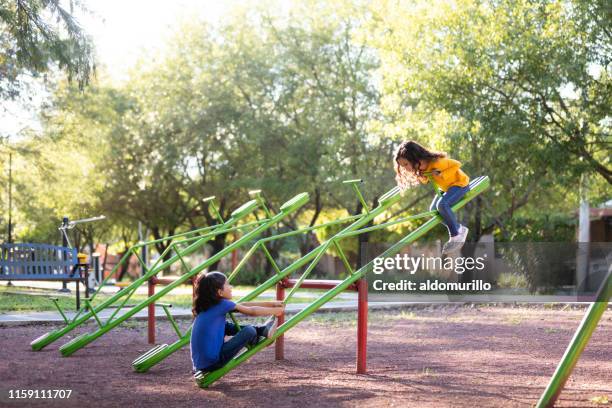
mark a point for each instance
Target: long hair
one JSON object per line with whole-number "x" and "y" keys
{"x": 414, "y": 153}
{"x": 207, "y": 291}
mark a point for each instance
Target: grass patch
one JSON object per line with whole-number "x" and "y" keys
{"x": 514, "y": 319}
{"x": 335, "y": 319}
{"x": 402, "y": 315}
{"x": 10, "y": 302}
{"x": 512, "y": 281}
{"x": 551, "y": 330}
{"x": 40, "y": 300}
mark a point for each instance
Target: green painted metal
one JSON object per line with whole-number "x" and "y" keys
{"x": 309, "y": 269}
{"x": 166, "y": 308}
{"x": 295, "y": 203}
{"x": 59, "y": 309}
{"x": 391, "y": 197}
{"x": 204, "y": 380}
{"x": 576, "y": 345}
{"x": 95, "y": 315}
{"x": 144, "y": 362}
{"x": 345, "y": 261}
{"x": 83, "y": 316}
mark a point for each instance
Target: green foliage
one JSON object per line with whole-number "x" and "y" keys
{"x": 302, "y": 98}
{"x": 36, "y": 35}
{"x": 517, "y": 90}
{"x": 540, "y": 227}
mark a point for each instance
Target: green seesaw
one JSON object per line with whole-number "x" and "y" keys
{"x": 194, "y": 244}
{"x": 476, "y": 187}
{"x": 577, "y": 344}
{"x": 157, "y": 354}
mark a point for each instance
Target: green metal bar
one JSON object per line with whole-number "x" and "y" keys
{"x": 134, "y": 250}
{"x": 284, "y": 235}
{"x": 243, "y": 261}
{"x": 142, "y": 263}
{"x": 274, "y": 265}
{"x": 112, "y": 272}
{"x": 211, "y": 377}
{"x": 215, "y": 211}
{"x": 390, "y": 198}
{"x": 129, "y": 293}
{"x": 314, "y": 227}
{"x": 59, "y": 309}
{"x": 169, "y": 315}
{"x": 385, "y": 201}
{"x": 94, "y": 313}
{"x": 70, "y": 347}
{"x": 576, "y": 346}
{"x": 187, "y": 267}
{"x": 389, "y": 223}
{"x": 345, "y": 261}
{"x": 125, "y": 299}
{"x": 259, "y": 198}
{"x": 201, "y": 240}
{"x": 307, "y": 271}
{"x": 361, "y": 199}
{"x": 48, "y": 338}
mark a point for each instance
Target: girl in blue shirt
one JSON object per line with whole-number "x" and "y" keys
{"x": 212, "y": 301}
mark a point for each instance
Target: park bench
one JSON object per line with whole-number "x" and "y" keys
{"x": 41, "y": 262}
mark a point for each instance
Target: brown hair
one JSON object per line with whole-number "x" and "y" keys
{"x": 415, "y": 154}
{"x": 207, "y": 291}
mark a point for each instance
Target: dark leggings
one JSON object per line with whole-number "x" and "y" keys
{"x": 240, "y": 339}
{"x": 444, "y": 203}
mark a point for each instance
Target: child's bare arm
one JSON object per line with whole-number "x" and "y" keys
{"x": 260, "y": 310}
{"x": 265, "y": 304}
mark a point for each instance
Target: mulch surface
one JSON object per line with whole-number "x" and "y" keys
{"x": 450, "y": 356}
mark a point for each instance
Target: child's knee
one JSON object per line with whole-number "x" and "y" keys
{"x": 442, "y": 205}
{"x": 250, "y": 331}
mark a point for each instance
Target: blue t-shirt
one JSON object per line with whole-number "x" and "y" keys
{"x": 208, "y": 333}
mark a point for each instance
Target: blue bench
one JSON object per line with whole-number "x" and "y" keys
{"x": 25, "y": 261}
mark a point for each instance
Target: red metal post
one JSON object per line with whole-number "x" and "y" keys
{"x": 362, "y": 325}
{"x": 151, "y": 312}
{"x": 279, "y": 346}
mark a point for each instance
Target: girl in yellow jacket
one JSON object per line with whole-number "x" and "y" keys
{"x": 415, "y": 164}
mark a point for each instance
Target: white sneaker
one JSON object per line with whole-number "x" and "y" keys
{"x": 456, "y": 243}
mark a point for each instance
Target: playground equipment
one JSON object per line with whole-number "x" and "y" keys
{"x": 157, "y": 354}
{"x": 202, "y": 236}
{"x": 577, "y": 344}
{"x": 42, "y": 262}
{"x": 476, "y": 187}
{"x": 160, "y": 352}
{"x": 361, "y": 287}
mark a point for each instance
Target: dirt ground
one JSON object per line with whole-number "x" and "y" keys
{"x": 434, "y": 357}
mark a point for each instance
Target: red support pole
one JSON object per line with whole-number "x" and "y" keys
{"x": 362, "y": 325}
{"x": 279, "y": 346}
{"x": 151, "y": 312}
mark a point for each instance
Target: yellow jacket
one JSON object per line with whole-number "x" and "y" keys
{"x": 450, "y": 173}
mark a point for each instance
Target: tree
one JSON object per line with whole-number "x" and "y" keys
{"x": 520, "y": 89}
{"x": 31, "y": 43}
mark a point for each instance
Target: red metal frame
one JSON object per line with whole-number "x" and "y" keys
{"x": 151, "y": 308}
{"x": 361, "y": 287}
